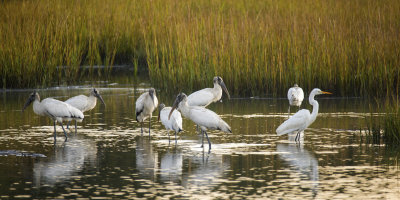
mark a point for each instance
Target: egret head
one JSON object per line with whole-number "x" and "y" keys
{"x": 181, "y": 97}
{"x": 96, "y": 93}
{"x": 218, "y": 80}
{"x": 160, "y": 107}
{"x": 32, "y": 97}
{"x": 317, "y": 91}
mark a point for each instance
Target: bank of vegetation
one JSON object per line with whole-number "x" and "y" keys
{"x": 259, "y": 47}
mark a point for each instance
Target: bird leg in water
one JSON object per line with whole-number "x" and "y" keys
{"x": 209, "y": 143}
{"x": 55, "y": 133}
{"x": 175, "y": 138}
{"x": 68, "y": 124}
{"x": 76, "y": 129}
{"x": 202, "y": 138}
{"x": 149, "y": 126}
{"x": 288, "y": 112}
{"x": 297, "y": 138}
{"x": 65, "y": 133}
{"x": 169, "y": 138}
{"x": 141, "y": 127}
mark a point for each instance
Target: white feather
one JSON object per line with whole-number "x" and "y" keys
{"x": 295, "y": 96}
{"x": 82, "y": 102}
{"x": 296, "y": 123}
{"x": 57, "y": 110}
{"x": 145, "y": 106}
{"x": 175, "y": 121}
{"x": 205, "y": 96}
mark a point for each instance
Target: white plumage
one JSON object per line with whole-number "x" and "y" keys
{"x": 85, "y": 103}
{"x": 295, "y": 95}
{"x": 207, "y": 96}
{"x": 57, "y": 110}
{"x": 174, "y": 123}
{"x": 302, "y": 119}
{"x": 145, "y": 105}
{"x": 201, "y": 116}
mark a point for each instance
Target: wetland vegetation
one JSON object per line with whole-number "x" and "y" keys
{"x": 259, "y": 47}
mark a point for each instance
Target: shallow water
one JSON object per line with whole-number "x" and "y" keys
{"x": 108, "y": 157}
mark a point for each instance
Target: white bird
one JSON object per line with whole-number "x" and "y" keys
{"x": 207, "y": 96}
{"x": 85, "y": 103}
{"x": 57, "y": 110}
{"x": 145, "y": 105}
{"x": 174, "y": 123}
{"x": 295, "y": 96}
{"x": 302, "y": 119}
{"x": 201, "y": 116}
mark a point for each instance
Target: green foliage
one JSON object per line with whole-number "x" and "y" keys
{"x": 258, "y": 47}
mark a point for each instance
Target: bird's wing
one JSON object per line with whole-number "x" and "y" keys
{"x": 207, "y": 118}
{"x": 201, "y": 98}
{"x": 296, "y": 122}
{"x": 140, "y": 104}
{"x": 298, "y": 94}
{"x": 175, "y": 122}
{"x": 79, "y": 102}
{"x": 289, "y": 94}
{"x": 61, "y": 109}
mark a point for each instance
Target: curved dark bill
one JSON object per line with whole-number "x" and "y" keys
{"x": 173, "y": 107}
{"x": 225, "y": 89}
{"x": 159, "y": 112}
{"x": 101, "y": 99}
{"x": 28, "y": 102}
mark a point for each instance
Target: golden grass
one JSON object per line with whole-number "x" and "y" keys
{"x": 258, "y": 47}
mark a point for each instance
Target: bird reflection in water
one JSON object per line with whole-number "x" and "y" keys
{"x": 68, "y": 159}
{"x": 301, "y": 161}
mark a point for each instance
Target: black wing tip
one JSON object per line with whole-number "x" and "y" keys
{"x": 137, "y": 114}
{"x": 180, "y": 130}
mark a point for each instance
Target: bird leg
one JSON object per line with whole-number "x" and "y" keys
{"x": 141, "y": 127}
{"x": 202, "y": 138}
{"x": 297, "y": 139}
{"x": 209, "y": 143}
{"x": 76, "y": 129}
{"x": 288, "y": 112}
{"x": 169, "y": 138}
{"x": 149, "y": 126}
{"x": 65, "y": 133}
{"x": 68, "y": 124}
{"x": 175, "y": 138}
{"x": 55, "y": 133}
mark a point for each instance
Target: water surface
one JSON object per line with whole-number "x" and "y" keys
{"x": 108, "y": 157}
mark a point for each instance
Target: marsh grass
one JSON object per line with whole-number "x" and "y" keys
{"x": 258, "y": 47}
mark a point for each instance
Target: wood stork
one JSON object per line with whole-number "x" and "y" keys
{"x": 145, "y": 105}
{"x": 302, "y": 119}
{"x": 208, "y": 95}
{"x": 174, "y": 123}
{"x": 201, "y": 116}
{"x": 85, "y": 103}
{"x": 57, "y": 110}
{"x": 295, "y": 96}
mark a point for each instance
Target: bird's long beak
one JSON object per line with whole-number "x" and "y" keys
{"x": 28, "y": 102}
{"x": 222, "y": 84}
{"x": 323, "y": 92}
{"x": 101, "y": 99}
{"x": 173, "y": 107}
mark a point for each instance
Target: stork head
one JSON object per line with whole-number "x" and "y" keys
{"x": 181, "y": 97}
{"x": 295, "y": 85}
{"x": 96, "y": 93}
{"x": 32, "y": 97}
{"x": 218, "y": 80}
{"x": 152, "y": 92}
{"x": 160, "y": 107}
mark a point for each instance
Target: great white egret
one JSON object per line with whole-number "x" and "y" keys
{"x": 145, "y": 105}
{"x": 201, "y": 116}
{"x": 85, "y": 103}
{"x": 57, "y": 110}
{"x": 302, "y": 119}
{"x": 174, "y": 123}
{"x": 295, "y": 96}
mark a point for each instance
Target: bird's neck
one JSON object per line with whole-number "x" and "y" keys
{"x": 184, "y": 108}
{"x": 315, "y": 105}
{"x": 37, "y": 107}
{"x": 217, "y": 91}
